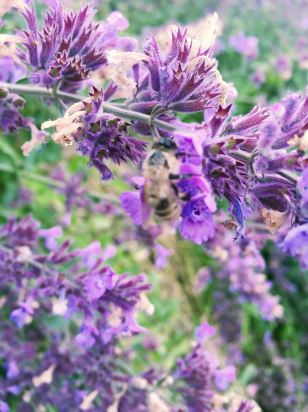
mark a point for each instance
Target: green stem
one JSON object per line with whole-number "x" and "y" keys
{"x": 246, "y": 157}
{"x": 26, "y": 174}
{"x": 108, "y": 107}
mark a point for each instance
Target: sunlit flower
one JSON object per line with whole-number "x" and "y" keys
{"x": 37, "y": 139}
{"x": 68, "y": 126}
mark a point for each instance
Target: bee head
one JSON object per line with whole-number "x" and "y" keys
{"x": 165, "y": 144}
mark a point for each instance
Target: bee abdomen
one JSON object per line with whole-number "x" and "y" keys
{"x": 167, "y": 210}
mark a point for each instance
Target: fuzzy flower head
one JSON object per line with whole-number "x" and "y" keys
{"x": 70, "y": 45}
{"x": 98, "y": 136}
{"x": 183, "y": 75}
{"x": 69, "y": 126}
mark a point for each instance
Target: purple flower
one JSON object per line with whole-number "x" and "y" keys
{"x": 10, "y": 71}
{"x": 182, "y": 77}
{"x": 107, "y": 137}
{"x": 197, "y": 223}
{"x": 296, "y": 244}
{"x": 134, "y": 206}
{"x": 283, "y": 66}
{"x": 86, "y": 337}
{"x": 204, "y": 332}
{"x": 225, "y": 376}
{"x": 258, "y": 78}
{"x": 12, "y": 369}
{"x": 70, "y": 45}
{"x": 10, "y": 108}
{"x": 22, "y": 233}
{"x": 99, "y": 136}
{"x": 20, "y": 317}
{"x": 134, "y": 399}
{"x": 50, "y": 236}
{"x": 250, "y": 284}
{"x": 292, "y": 116}
{"x": 96, "y": 283}
{"x": 23, "y": 315}
{"x": 4, "y": 407}
{"x": 161, "y": 255}
{"x": 248, "y": 46}
{"x": 195, "y": 371}
{"x": 269, "y": 133}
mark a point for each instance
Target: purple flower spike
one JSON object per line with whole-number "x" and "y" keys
{"x": 195, "y": 371}
{"x": 70, "y": 45}
{"x": 296, "y": 244}
{"x": 10, "y": 107}
{"x": 182, "y": 77}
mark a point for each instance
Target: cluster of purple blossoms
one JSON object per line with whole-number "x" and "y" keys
{"x": 245, "y": 159}
{"x": 275, "y": 383}
{"x": 250, "y": 283}
{"x": 93, "y": 289}
{"x": 70, "y": 45}
{"x": 10, "y": 107}
{"x": 71, "y": 302}
{"x": 74, "y": 286}
{"x": 181, "y": 76}
{"x": 98, "y": 135}
{"x": 198, "y": 376}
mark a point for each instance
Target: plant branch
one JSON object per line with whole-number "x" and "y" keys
{"x": 108, "y": 107}
{"x": 246, "y": 157}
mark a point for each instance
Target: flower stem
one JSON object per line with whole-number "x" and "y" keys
{"x": 246, "y": 157}
{"x": 108, "y": 107}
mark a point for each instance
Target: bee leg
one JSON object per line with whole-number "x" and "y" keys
{"x": 185, "y": 196}
{"x": 174, "y": 187}
{"x": 173, "y": 176}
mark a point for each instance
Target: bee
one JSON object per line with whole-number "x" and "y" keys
{"x": 160, "y": 169}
